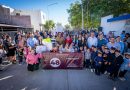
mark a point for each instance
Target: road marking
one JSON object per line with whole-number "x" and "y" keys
{"x": 6, "y": 77}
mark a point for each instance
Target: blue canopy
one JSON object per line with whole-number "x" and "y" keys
{"x": 124, "y": 17}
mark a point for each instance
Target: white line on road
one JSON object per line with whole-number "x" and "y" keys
{"x": 6, "y": 77}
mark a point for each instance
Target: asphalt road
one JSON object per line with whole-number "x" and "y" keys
{"x": 16, "y": 77}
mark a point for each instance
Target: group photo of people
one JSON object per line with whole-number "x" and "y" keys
{"x": 103, "y": 54}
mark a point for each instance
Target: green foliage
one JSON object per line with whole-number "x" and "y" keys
{"x": 94, "y": 10}
{"x": 49, "y": 25}
{"x": 67, "y": 27}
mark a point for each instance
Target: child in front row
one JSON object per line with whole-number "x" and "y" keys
{"x": 32, "y": 60}
{"x": 98, "y": 63}
{"x": 87, "y": 57}
{"x": 93, "y": 55}
{"x": 125, "y": 67}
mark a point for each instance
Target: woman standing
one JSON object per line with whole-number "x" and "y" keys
{"x": 11, "y": 50}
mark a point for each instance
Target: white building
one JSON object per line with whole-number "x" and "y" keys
{"x": 117, "y": 24}
{"x": 58, "y": 28}
{"x": 38, "y": 18}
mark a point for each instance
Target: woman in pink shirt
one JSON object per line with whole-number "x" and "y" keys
{"x": 32, "y": 60}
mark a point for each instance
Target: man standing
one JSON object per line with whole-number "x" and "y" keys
{"x": 118, "y": 40}
{"x": 101, "y": 40}
{"x": 114, "y": 44}
{"x": 92, "y": 40}
{"x": 31, "y": 41}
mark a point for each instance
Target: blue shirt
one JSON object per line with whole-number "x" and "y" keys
{"x": 101, "y": 42}
{"x": 115, "y": 45}
{"x": 122, "y": 45}
{"x": 97, "y": 60}
{"x": 125, "y": 65}
{"x": 30, "y": 42}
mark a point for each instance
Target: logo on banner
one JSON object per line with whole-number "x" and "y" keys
{"x": 55, "y": 62}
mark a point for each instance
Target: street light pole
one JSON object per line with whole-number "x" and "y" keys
{"x": 87, "y": 13}
{"x": 48, "y": 10}
{"x": 82, "y": 15}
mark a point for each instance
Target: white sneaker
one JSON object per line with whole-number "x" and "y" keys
{"x": 122, "y": 79}
{"x": 91, "y": 70}
{"x": 20, "y": 63}
{"x": 105, "y": 72}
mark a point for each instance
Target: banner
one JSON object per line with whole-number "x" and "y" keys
{"x": 40, "y": 49}
{"x": 62, "y": 60}
{"x": 47, "y": 42}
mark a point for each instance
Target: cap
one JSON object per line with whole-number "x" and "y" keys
{"x": 93, "y": 46}
{"x": 117, "y": 50}
{"x": 99, "y": 52}
{"x": 113, "y": 48}
{"x": 106, "y": 47}
{"x": 127, "y": 53}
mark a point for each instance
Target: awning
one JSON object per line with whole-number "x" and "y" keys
{"x": 13, "y": 26}
{"x": 124, "y": 17}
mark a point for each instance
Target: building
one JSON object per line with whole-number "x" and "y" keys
{"x": 116, "y": 24}
{"x": 11, "y": 23}
{"x": 38, "y": 18}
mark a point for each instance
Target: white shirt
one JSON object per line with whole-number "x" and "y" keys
{"x": 92, "y": 41}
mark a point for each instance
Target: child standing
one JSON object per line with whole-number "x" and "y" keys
{"x": 98, "y": 63}
{"x": 20, "y": 56}
{"x": 26, "y": 51}
{"x": 111, "y": 58}
{"x": 117, "y": 64}
{"x": 125, "y": 67}
{"x": 87, "y": 57}
{"x": 93, "y": 55}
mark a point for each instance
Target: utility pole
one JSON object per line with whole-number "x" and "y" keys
{"x": 48, "y": 9}
{"x": 82, "y": 15}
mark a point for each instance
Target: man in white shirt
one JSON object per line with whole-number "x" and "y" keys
{"x": 92, "y": 40}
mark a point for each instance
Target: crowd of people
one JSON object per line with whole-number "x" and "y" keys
{"x": 104, "y": 54}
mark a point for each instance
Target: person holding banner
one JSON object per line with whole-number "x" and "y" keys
{"x": 47, "y": 42}
{"x": 32, "y": 60}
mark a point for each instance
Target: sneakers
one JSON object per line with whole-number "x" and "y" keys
{"x": 105, "y": 72}
{"x": 91, "y": 70}
{"x": 122, "y": 79}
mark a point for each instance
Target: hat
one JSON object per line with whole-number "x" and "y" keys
{"x": 106, "y": 47}
{"x": 99, "y": 52}
{"x": 93, "y": 46}
{"x": 113, "y": 48}
{"x": 117, "y": 50}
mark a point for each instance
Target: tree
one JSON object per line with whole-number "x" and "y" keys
{"x": 49, "y": 25}
{"x": 67, "y": 27}
{"x": 75, "y": 15}
{"x": 94, "y": 10}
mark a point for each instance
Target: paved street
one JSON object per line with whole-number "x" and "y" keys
{"x": 16, "y": 77}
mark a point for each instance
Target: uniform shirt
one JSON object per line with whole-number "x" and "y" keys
{"x": 97, "y": 60}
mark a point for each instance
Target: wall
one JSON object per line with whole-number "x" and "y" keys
{"x": 4, "y": 15}
{"x": 116, "y": 26}
{"x": 36, "y": 17}
{"x": 24, "y": 21}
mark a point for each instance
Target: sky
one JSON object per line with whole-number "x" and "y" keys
{"x": 57, "y": 12}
